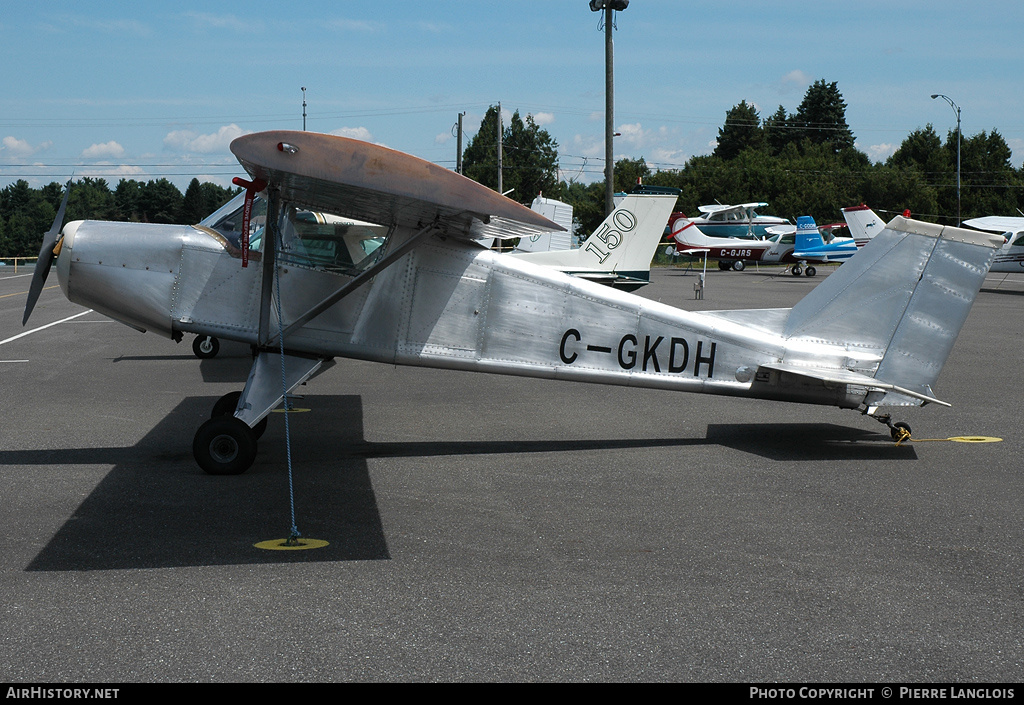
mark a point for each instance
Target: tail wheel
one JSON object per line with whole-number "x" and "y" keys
{"x": 224, "y": 445}
{"x": 900, "y": 431}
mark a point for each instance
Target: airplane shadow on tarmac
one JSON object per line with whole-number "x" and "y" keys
{"x": 157, "y": 509}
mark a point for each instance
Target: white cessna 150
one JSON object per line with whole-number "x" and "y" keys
{"x": 873, "y": 334}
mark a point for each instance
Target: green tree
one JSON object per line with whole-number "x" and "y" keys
{"x": 741, "y": 130}
{"x": 630, "y": 172}
{"x": 529, "y": 157}
{"x": 777, "y": 131}
{"x": 821, "y": 117}
{"x": 160, "y": 202}
{"x": 193, "y": 205}
{"x": 90, "y": 199}
{"x": 126, "y": 200}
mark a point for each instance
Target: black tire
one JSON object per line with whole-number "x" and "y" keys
{"x": 738, "y": 266}
{"x": 224, "y": 446}
{"x": 810, "y": 271}
{"x": 797, "y": 270}
{"x": 900, "y": 431}
{"x": 723, "y": 265}
{"x": 205, "y": 346}
{"x": 226, "y": 406}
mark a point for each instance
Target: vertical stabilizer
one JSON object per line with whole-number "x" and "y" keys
{"x": 863, "y": 223}
{"x": 807, "y": 234}
{"x": 900, "y": 302}
{"x": 620, "y": 250}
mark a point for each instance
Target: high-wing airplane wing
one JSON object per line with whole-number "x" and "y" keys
{"x": 740, "y": 207}
{"x": 997, "y": 224}
{"x": 367, "y": 182}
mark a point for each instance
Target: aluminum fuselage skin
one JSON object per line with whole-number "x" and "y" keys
{"x": 448, "y": 304}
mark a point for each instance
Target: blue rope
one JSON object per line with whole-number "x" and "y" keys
{"x": 284, "y": 388}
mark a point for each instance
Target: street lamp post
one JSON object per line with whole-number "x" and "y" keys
{"x": 959, "y": 139}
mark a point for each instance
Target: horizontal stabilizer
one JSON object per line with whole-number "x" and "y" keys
{"x": 848, "y": 378}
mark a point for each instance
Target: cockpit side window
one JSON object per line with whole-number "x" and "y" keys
{"x": 329, "y": 242}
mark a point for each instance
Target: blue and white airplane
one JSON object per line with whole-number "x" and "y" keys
{"x": 811, "y": 247}
{"x": 862, "y": 222}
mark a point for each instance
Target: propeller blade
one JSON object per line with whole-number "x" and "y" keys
{"x": 45, "y": 260}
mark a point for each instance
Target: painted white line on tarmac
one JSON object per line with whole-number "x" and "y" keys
{"x": 48, "y": 325}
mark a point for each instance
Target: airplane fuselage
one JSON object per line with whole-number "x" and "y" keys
{"x": 449, "y": 304}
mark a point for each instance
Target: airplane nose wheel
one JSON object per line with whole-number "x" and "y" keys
{"x": 205, "y": 346}
{"x": 224, "y": 445}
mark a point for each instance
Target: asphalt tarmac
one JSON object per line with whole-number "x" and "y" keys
{"x": 488, "y": 528}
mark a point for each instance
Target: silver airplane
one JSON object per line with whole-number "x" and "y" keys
{"x": 303, "y": 290}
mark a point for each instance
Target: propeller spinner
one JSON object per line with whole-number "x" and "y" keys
{"x": 46, "y": 256}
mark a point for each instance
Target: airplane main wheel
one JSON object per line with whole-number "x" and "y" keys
{"x": 810, "y": 271}
{"x": 797, "y": 270}
{"x": 226, "y": 406}
{"x": 723, "y": 265}
{"x": 738, "y": 266}
{"x": 224, "y": 446}
{"x": 205, "y": 346}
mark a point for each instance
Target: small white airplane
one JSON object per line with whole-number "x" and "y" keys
{"x": 619, "y": 252}
{"x": 1010, "y": 258}
{"x": 730, "y": 252}
{"x": 875, "y": 334}
{"x": 741, "y": 221}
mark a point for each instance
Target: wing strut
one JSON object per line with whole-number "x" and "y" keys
{"x": 354, "y": 284}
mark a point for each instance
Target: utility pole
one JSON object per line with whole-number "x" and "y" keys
{"x": 500, "y": 188}
{"x": 458, "y": 154}
{"x": 303, "y": 108}
{"x": 609, "y": 7}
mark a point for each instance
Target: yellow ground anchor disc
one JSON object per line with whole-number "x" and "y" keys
{"x": 298, "y": 544}
{"x": 962, "y": 439}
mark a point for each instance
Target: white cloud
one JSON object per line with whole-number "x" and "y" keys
{"x": 110, "y": 171}
{"x": 356, "y": 133}
{"x": 103, "y": 151}
{"x": 543, "y": 118}
{"x": 189, "y": 141}
{"x": 360, "y": 26}
{"x": 796, "y": 77}
{"x": 443, "y": 138}
{"x": 879, "y": 152}
{"x": 633, "y": 135}
{"x": 206, "y": 21}
{"x": 14, "y": 148}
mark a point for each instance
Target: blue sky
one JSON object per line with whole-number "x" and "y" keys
{"x": 144, "y": 90}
